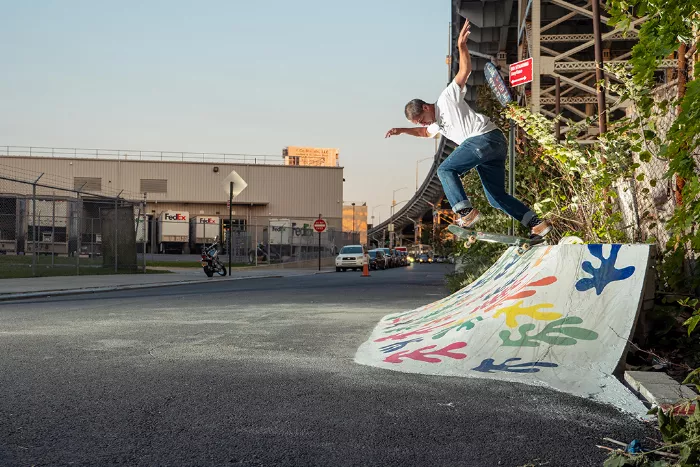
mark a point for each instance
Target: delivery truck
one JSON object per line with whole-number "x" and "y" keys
{"x": 174, "y": 232}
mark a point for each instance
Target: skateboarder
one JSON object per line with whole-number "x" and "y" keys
{"x": 481, "y": 145}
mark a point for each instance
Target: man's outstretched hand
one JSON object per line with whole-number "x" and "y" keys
{"x": 393, "y": 132}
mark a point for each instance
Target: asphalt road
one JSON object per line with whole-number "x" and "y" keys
{"x": 261, "y": 372}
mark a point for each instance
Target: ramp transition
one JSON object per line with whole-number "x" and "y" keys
{"x": 559, "y": 316}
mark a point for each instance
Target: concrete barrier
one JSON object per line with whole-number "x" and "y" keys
{"x": 558, "y": 316}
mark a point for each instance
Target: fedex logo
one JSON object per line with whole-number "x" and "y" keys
{"x": 208, "y": 220}
{"x": 176, "y": 217}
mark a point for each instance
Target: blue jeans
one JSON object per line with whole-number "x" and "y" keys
{"x": 487, "y": 153}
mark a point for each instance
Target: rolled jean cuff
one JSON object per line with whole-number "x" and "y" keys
{"x": 461, "y": 205}
{"x": 527, "y": 218}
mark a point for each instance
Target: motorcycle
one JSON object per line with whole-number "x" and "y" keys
{"x": 210, "y": 259}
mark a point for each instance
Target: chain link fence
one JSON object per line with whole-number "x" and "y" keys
{"x": 53, "y": 230}
{"x": 50, "y": 229}
{"x": 276, "y": 241}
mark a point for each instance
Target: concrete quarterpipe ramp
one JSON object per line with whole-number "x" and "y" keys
{"x": 558, "y": 316}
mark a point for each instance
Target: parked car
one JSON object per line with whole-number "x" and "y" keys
{"x": 377, "y": 260}
{"x": 385, "y": 260}
{"x": 350, "y": 257}
{"x": 387, "y": 252}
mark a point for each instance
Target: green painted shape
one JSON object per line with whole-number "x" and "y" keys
{"x": 568, "y": 334}
{"x": 458, "y": 327}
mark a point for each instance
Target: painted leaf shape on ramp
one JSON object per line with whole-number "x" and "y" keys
{"x": 569, "y": 334}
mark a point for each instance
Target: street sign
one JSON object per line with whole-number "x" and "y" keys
{"x": 521, "y": 72}
{"x": 320, "y": 225}
{"x": 496, "y": 84}
{"x": 238, "y": 184}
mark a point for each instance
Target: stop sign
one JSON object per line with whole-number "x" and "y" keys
{"x": 320, "y": 225}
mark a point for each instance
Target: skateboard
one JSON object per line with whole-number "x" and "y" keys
{"x": 496, "y": 84}
{"x": 523, "y": 244}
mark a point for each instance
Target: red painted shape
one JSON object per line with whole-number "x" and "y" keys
{"x": 523, "y": 294}
{"x": 546, "y": 281}
{"x": 422, "y": 354}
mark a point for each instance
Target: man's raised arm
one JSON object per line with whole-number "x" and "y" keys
{"x": 465, "y": 61}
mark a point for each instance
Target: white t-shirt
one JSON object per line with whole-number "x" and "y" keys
{"x": 455, "y": 119}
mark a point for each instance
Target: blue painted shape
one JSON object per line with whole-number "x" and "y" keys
{"x": 606, "y": 273}
{"x": 488, "y": 366}
{"x": 398, "y": 345}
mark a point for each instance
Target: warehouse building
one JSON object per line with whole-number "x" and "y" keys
{"x": 278, "y": 203}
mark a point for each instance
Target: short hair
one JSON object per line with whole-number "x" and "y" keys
{"x": 414, "y": 108}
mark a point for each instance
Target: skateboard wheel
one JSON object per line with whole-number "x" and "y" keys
{"x": 526, "y": 246}
{"x": 467, "y": 244}
{"x": 472, "y": 239}
{"x": 520, "y": 251}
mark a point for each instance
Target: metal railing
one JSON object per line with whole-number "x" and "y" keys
{"x": 140, "y": 155}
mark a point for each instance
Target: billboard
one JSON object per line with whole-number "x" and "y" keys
{"x": 296, "y": 155}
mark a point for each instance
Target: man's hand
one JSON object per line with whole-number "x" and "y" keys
{"x": 465, "y": 60}
{"x": 464, "y": 36}
{"x": 393, "y": 132}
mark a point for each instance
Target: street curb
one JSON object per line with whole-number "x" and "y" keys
{"x": 84, "y": 291}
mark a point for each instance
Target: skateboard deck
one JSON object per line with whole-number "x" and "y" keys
{"x": 472, "y": 236}
{"x": 496, "y": 84}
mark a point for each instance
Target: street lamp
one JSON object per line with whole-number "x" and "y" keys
{"x": 393, "y": 200}
{"x": 391, "y": 222}
{"x": 418, "y": 162}
{"x": 375, "y": 207}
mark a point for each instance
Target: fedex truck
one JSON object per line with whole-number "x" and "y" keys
{"x": 174, "y": 232}
{"x": 203, "y": 230}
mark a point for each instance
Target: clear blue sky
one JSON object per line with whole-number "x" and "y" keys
{"x": 227, "y": 76}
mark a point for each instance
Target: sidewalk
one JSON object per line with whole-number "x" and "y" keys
{"x": 11, "y": 289}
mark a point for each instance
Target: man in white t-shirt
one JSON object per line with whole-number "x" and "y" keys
{"x": 481, "y": 146}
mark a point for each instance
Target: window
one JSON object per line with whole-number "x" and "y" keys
{"x": 153, "y": 185}
{"x": 87, "y": 183}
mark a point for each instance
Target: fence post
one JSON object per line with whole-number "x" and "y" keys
{"x": 92, "y": 238}
{"x": 78, "y": 233}
{"x": 319, "y": 247}
{"x": 145, "y": 220}
{"x": 116, "y": 232}
{"x": 230, "y": 224}
{"x": 53, "y": 231}
{"x": 34, "y": 245}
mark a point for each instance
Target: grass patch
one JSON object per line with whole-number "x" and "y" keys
{"x": 44, "y": 260}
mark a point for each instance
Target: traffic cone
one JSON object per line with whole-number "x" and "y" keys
{"x": 365, "y": 268}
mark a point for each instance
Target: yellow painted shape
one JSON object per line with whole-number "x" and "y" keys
{"x": 533, "y": 312}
